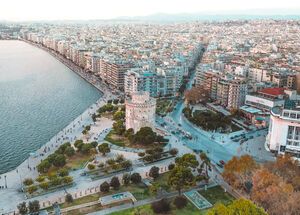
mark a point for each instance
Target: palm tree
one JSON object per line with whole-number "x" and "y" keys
{"x": 205, "y": 164}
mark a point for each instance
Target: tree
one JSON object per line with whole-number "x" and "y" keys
{"x": 171, "y": 166}
{"x": 59, "y": 160}
{"x": 270, "y": 191}
{"x": 287, "y": 168}
{"x": 78, "y": 144}
{"x": 240, "y": 206}
{"x": 126, "y": 164}
{"x": 126, "y": 179}
{"x": 22, "y": 208}
{"x": 180, "y": 202}
{"x": 104, "y": 187}
{"x": 67, "y": 179}
{"x": 86, "y": 148}
{"x": 128, "y": 133}
{"x": 115, "y": 183}
{"x": 63, "y": 172}
{"x": 161, "y": 206}
{"x": 180, "y": 177}
{"x": 238, "y": 171}
{"x": 141, "y": 154}
{"x": 44, "y": 166}
{"x": 154, "y": 172}
{"x": 34, "y": 207}
{"x": 196, "y": 95}
{"x": 187, "y": 160}
{"x": 44, "y": 185}
{"x": 135, "y": 178}
{"x": 104, "y": 148}
{"x": 32, "y": 189}
{"x": 173, "y": 152}
{"x": 144, "y": 136}
{"x": 28, "y": 182}
{"x": 119, "y": 127}
{"x": 69, "y": 198}
{"x": 119, "y": 115}
{"x": 94, "y": 144}
{"x": 91, "y": 166}
{"x": 70, "y": 151}
{"x": 205, "y": 164}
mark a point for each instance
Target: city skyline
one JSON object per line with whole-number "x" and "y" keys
{"x": 31, "y": 10}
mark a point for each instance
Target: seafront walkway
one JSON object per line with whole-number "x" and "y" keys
{"x": 11, "y": 182}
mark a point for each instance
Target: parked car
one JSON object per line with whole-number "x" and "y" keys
{"x": 222, "y": 162}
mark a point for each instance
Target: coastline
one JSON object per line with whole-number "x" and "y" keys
{"x": 15, "y": 175}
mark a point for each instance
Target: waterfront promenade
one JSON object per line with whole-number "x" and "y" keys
{"x": 11, "y": 182}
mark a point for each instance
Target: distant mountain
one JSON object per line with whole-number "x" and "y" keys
{"x": 218, "y": 16}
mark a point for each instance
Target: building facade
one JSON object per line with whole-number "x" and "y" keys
{"x": 140, "y": 111}
{"x": 284, "y": 131}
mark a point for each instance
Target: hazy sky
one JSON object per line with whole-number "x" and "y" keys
{"x": 19, "y": 10}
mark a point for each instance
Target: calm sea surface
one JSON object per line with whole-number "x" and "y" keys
{"x": 38, "y": 97}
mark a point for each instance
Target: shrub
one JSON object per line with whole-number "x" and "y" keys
{"x": 91, "y": 166}
{"x": 115, "y": 183}
{"x": 126, "y": 179}
{"x": 63, "y": 172}
{"x": 69, "y": 198}
{"x": 28, "y": 182}
{"x": 180, "y": 202}
{"x": 141, "y": 154}
{"x": 161, "y": 206}
{"x": 110, "y": 161}
{"x": 44, "y": 185}
{"x": 40, "y": 178}
{"x": 78, "y": 144}
{"x": 56, "y": 181}
{"x": 67, "y": 179}
{"x": 135, "y": 178}
{"x": 44, "y": 166}
{"x": 94, "y": 144}
{"x": 70, "y": 151}
{"x": 101, "y": 165}
{"x": 173, "y": 151}
{"x": 126, "y": 164}
{"x": 34, "y": 207}
{"x": 171, "y": 166}
{"x": 59, "y": 160}
{"x": 32, "y": 189}
{"x": 154, "y": 172}
{"x": 104, "y": 187}
{"x": 120, "y": 158}
{"x": 22, "y": 208}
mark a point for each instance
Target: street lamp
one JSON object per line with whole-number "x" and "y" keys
{"x": 5, "y": 181}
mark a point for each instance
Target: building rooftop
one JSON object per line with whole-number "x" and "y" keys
{"x": 276, "y": 91}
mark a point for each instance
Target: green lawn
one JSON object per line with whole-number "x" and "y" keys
{"x": 162, "y": 180}
{"x": 216, "y": 194}
{"x": 86, "y": 199}
{"x": 190, "y": 209}
{"x": 213, "y": 195}
{"x": 112, "y": 138}
{"x": 78, "y": 161}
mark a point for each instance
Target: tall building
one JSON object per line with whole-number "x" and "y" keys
{"x": 284, "y": 131}
{"x": 113, "y": 72}
{"x": 140, "y": 111}
{"x": 138, "y": 79}
{"x": 231, "y": 93}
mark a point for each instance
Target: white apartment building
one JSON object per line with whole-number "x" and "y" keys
{"x": 284, "y": 131}
{"x": 140, "y": 111}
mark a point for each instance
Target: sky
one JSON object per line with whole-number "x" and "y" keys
{"x": 27, "y": 10}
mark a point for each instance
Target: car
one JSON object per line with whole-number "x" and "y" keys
{"x": 222, "y": 162}
{"x": 219, "y": 165}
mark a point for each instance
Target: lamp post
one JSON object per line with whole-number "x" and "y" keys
{"x": 5, "y": 181}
